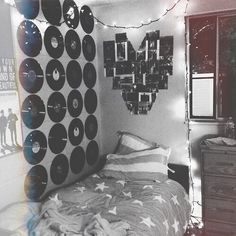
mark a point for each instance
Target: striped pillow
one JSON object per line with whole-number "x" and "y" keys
{"x": 130, "y": 142}
{"x": 142, "y": 165}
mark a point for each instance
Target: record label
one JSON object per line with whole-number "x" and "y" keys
{"x": 53, "y": 41}
{"x": 89, "y": 75}
{"x": 76, "y": 132}
{"x": 89, "y": 48}
{"x": 55, "y": 75}
{"x": 75, "y": 103}
{"x": 36, "y": 182}
{"x": 59, "y": 169}
{"x": 92, "y": 152}
{"x": 33, "y": 111}
{"x": 77, "y": 160}
{"x": 29, "y": 38}
{"x": 57, "y": 138}
{"x": 71, "y": 13}
{"x": 90, "y": 101}
{"x": 35, "y": 147}
{"x": 87, "y": 21}
{"x": 31, "y": 75}
{"x": 56, "y": 107}
{"x": 73, "y": 44}
{"x": 91, "y": 127}
{"x": 52, "y": 11}
{"x": 74, "y": 74}
{"x": 28, "y": 8}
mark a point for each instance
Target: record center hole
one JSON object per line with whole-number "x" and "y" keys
{"x": 73, "y": 45}
{"x": 75, "y": 103}
{"x": 55, "y": 74}
{"x": 54, "y": 42}
{"x": 57, "y": 107}
{"x": 76, "y": 131}
{"x": 31, "y": 75}
{"x": 35, "y": 147}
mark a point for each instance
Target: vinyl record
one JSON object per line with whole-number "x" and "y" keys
{"x": 86, "y": 18}
{"x": 73, "y": 44}
{"x": 56, "y": 107}
{"x": 33, "y": 111}
{"x": 28, "y": 8}
{"x": 91, "y": 127}
{"x": 74, "y": 74}
{"x": 55, "y": 75}
{"x": 76, "y": 132}
{"x": 77, "y": 160}
{"x": 90, "y": 101}
{"x": 52, "y": 11}
{"x": 57, "y": 138}
{"x": 89, "y": 75}
{"x": 53, "y": 41}
{"x": 92, "y": 152}
{"x": 75, "y": 103}
{"x": 35, "y": 147}
{"x": 31, "y": 75}
{"x": 29, "y": 38}
{"x": 71, "y": 13}
{"x": 59, "y": 169}
{"x": 89, "y": 48}
{"x": 36, "y": 182}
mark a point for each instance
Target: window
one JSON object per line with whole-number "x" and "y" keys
{"x": 212, "y": 60}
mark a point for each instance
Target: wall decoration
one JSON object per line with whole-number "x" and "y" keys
{"x": 87, "y": 20}
{"x": 52, "y": 11}
{"x": 28, "y": 8}
{"x": 71, "y": 14}
{"x": 75, "y": 103}
{"x": 139, "y": 74}
{"x": 73, "y": 44}
{"x": 77, "y": 160}
{"x": 89, "y": 48}
{"x": 91, "y": 127}
{"x": 89, "y": 75}
{"x": 74, "y": 74}
{"x": 90, "y": 101}
{"x": 76, "y": 132}
{"x": 92, "y": 152}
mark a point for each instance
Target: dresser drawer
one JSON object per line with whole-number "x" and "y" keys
{"x": 220, "y": 187}
{"x": 218, "y": 229}
{"x": 224, "y": 211}
{"x": 220, "y": 163}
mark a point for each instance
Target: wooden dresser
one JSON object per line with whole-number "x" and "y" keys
{"x": 219, "y": 190}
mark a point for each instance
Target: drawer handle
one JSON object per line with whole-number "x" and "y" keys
{"x": 219, "y": 163}
{"x": 223, "y": 210}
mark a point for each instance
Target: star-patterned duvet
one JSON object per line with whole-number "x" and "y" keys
{"x": 150, "y": 208}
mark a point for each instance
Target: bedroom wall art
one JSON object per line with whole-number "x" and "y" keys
{"x": 139, "y": 74}
{"x": 56, "y": 68}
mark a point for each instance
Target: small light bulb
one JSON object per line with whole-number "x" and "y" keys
{"x": 105, "y": 26}
{"x": 114, "y": 23}
{"x": 149, "y": 20}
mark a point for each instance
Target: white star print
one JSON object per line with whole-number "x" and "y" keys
{"x": 96, "y": 176}
{"x": 138, "y": 202}
{"x": 174, "y": 199}
{"x": 148, "y": 186}
{"x": 159, "y": 198}
{"x": 56, "y": 200}
{"x": 101, "y": 186}
{"x": 127, "y": 194}
{"x": 176, "y": 226}
{"x": 109, "y": 196}
{"x": 81, "y": 189}
{"x": 168, "y": 181}
{"x": 165, "y": 223}
{"x": 147, "y": 221}
{"x": 113, "y": 211}
{"x": 84, "y": 207}
{"x": 122, "y": 182}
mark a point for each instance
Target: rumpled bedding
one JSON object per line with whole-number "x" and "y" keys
{"x": 115, "y": 207}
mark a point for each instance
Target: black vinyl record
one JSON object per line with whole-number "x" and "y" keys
{"x": 55, "y": 75}
{"x": 53, "y": 41}
{"x": 77, "y": 160}
{"x": 36, "y": 182}
{"x": 91, "y": 127}
{"x": 31, "y": 75}
{"x": 89, "y": 75}
{"x": 92, "y": 152}
{"x": 59, "y": 169}
{"x": 71, "y": 13}
{"x": 73, "y": 44}
{"x": 90, "y": 101}
{"x": 75, "y": 103}
{"x": 74, "y": 74}
{"x": 28, "y": 8}
{"x": 76, "y": 131}
{"x": 56, "y": 107}
{"x": 35, "y": 147}
{"x": 29, "y": 38}
{"x": 86, "y": 18}
{"x": 52, "y": 11}
{"x": 33, "y": 111}
{"x": 57, "y": 138}
{"x": 89, "y": 48}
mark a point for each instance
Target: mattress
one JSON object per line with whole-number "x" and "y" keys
{"x": 148, "y": 207}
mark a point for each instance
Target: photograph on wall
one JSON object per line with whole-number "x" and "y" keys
{"x": 116, "y": 83}
{"x": 121, "y": 51}
{"x": 109, "y": 51}
{"x": 109, "y": 69}
{"x": 10, "y": 128}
